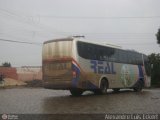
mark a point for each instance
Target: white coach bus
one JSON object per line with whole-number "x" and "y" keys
{"x": 78, "y": 65}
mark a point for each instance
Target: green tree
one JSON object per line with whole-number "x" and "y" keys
{"x": 6, "y": 64}
{"x": 154, "y": 60}
{"x": 158, "y": 36}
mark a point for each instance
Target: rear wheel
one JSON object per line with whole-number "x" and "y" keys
{"x": 97, "y": 92}
{"x": 138, "y": 86}
{"x": 103, "y": 86}
{"x": 76, "y": 92}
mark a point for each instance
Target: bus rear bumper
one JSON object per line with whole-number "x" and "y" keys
{"x": 65, "y": 86}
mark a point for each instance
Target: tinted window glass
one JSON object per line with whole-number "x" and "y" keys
{"x": 123, "y": 56}
{"x": 95, "y": 52}
{"x": 98, "y": 52}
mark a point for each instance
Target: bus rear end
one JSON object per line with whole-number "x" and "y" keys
{"x": 57, "y": 64}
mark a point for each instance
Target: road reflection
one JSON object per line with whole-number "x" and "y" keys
{"x": 90, "y": 103}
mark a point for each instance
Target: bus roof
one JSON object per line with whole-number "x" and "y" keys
{"x": 96, "y": 43}
{"x": 81, "y": 39}
{"x": 60, "y": 39}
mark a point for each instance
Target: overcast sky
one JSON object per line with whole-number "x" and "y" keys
{"x": 131, "y": 24}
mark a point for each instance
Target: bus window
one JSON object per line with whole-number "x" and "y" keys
{"x": 111, "y": 54}
{"x": 123, "y": 56}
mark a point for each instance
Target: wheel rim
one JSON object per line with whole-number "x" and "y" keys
{"x": 138, "y": 88}
{"x": 105, "y": 90}
{"x": 104, "y": 87}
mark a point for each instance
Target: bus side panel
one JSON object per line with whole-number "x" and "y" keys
{"x": 119, "y": 75}
{"x": 93, "y": 70}
{"x": 127, "y": 75}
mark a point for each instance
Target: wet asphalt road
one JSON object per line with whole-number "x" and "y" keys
{"x": 44, "y": 101}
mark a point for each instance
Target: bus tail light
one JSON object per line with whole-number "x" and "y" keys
{"x": 74, "y": 74}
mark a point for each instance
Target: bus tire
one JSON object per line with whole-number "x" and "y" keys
{"x": 97, "y": 92}
{"x": 138, "y": 86}
{"x": 76, "y": 92}
{"x": 116, "y": 89}
{"x": 103, "y": 86}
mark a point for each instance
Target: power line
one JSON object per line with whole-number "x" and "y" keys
{"x": 33, "y": 43}
{"x": 99, "y": 17}
{"x": 28, "y": 20}
{"x": 115, "y": 33}
{"x": 81, "y": 33}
